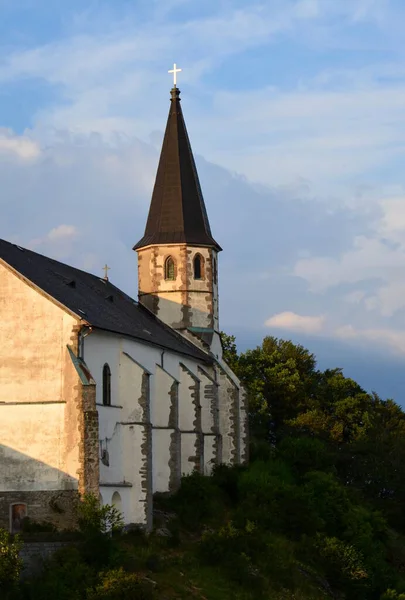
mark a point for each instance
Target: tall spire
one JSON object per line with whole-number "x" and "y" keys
{"x": 177, "y": 211}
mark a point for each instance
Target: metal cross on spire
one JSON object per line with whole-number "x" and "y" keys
{"x": 174, "y": 71}
{"x": 106, "y": 269}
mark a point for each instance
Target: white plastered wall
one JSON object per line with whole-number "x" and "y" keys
{"x": 163, "y": 428}
{"x": 125, "y": 443}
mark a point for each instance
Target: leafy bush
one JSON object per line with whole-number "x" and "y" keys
{"x": 10, "y": 561}
{"x": 328, "y": 499}
{"x": 117, "y": 585}
{"x": 198, "y": 501}
{"x": 392, "y": 595}
{"x": 65, "y": 577}
{"x": 93, "y": 517}
{"x": 235, "y": 550}
{"x": 29, "y": 526}
{"x": 227, "y": 480}
{"x": 98, "y": 524}
{"x": 343, "y": 564}
{"x": 270, "y": 496}
{"x": 305, "y": 454}
{"x": 250, "y": 556}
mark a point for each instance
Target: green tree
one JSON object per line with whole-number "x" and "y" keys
{"x": 230, "y": 352}
{"x": 375, "y": 461}
{"x": 10, "y": 561}
{"x": 281, "y": 379}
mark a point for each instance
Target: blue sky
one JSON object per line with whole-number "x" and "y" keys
{"x": 296, "y": 113}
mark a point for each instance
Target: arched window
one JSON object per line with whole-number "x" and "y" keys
{"x": 170, "y": 271}
{"x": 106, "y": 385}
{"x": 198, "y": 266}
{"x": 116, "y": 501}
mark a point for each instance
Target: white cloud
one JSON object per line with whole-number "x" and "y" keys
{"x": 123, "y": 48}
{"x": 83, "y": 203}
{"x": 321, "y": 326}
{"x": 315, "y": 132}
{"x": 290, "y": 321}
{"x": 382, "y": 337}
{"x": 58, "y": 242}
{"x": 103, "y": 78}
{"x": 376, "y": 260}
{"x": 63, "y": 232}
{"x": 18, "y": 146}
{"x": 355, "y": 297}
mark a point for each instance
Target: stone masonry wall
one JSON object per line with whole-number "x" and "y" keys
{"x": 229, "y": 418}
{"x": 244, "y": 426}
{"x": 56, "y": 507}
{"x": 209, "y": 420}
{"x": 34, "y": 554}
{"x": 185, "y": 301}
{"x": 192, "y": 443}
{"x": 175, "y": 439}
{"x": 89, "y": 476}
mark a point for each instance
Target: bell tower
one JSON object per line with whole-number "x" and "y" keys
{"x": 177, "y": 256}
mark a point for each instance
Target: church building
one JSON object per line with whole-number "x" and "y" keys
{"x": 103, "y": 394}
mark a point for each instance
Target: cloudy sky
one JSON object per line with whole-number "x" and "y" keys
{"x": 296, "y": 114}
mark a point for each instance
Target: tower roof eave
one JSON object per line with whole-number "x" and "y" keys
{"x": 163, "y": 238}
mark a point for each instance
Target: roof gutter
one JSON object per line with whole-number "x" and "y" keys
{"x": 84, "y": 331}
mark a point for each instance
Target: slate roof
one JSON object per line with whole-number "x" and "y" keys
{"x": 177, "y": 211}
{"x": 98, "y": 302}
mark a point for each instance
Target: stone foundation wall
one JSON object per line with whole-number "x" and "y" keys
{"x": 34, "y": 554}
{"x": 56, "y": 507}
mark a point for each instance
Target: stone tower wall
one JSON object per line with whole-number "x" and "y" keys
{"x": 185, "y": 301}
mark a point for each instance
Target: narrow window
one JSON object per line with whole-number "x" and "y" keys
{"x": 106, "y": 385}
{"x": 214, "y": 270}
{"x": 198, "y": 266}
{"x": 18, "y": 512}
{"x": 169, "y": 269}
{"x": 116, "y": 501}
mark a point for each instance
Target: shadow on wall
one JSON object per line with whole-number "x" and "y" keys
{"x": 30, "y": 487}
{"x": 182, "y": 317}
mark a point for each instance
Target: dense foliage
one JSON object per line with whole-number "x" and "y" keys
{"x": 10, "y": 562}
{"x": 318, "y": 514}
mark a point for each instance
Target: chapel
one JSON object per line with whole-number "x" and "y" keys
{"x": 104, "y": 394}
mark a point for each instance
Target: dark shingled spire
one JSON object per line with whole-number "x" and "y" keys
{"x": 177, "y": 211}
